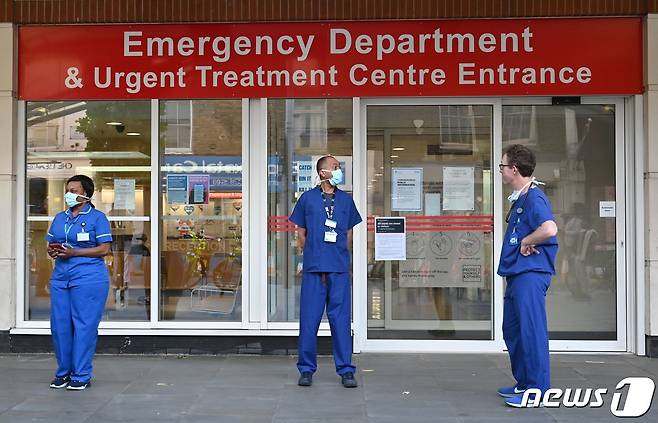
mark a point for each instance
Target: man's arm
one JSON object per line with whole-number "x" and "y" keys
{"x": 547, "y": 230}
{"x": 301, "y": 237}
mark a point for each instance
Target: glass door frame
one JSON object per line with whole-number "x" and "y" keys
{"x": 624, "y": 279}
{"x": 361, "y": 341}
{"x": 360, "y": 276}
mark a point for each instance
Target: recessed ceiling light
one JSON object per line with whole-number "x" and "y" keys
{"x": 398, "y": 148}
{"x": 394, "y": 157}
{"x": 379, "y": 174}
{"x": 113, "y": 123}
{"x": 133, "y": 134}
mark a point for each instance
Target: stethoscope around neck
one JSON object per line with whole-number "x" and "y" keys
{"x": 519, "y": 210}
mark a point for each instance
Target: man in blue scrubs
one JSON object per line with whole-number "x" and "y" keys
{"x": 78, "y": 239}
{"x": 527, "y": 261}
{"x": 325, "y": 216}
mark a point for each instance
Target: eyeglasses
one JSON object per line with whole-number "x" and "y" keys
{"x": 501, "y": 166}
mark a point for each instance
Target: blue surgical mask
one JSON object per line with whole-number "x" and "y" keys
{"x": 71, "y": 199}
{"x": 336, "y": 177}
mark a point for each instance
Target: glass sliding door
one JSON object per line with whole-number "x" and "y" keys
{"x": 576, "y": 148}
{"x": 432, "y": 165}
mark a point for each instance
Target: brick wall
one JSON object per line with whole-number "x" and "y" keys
{"x": 121, "y": 11}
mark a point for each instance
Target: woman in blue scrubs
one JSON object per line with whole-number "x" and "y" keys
{"x": 78, "y": 239}
{"x": 527, "y": 261}
{"x": 325, "y": 216}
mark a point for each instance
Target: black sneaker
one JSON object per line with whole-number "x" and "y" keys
{"x": 60, "y": 382}
{"x": 305, "y": 379}
{"x": 348, "y": 380}
{"x": 76, "y": 385}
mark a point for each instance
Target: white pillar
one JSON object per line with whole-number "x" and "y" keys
{"x": 651, "y": 175}
{"x": 8, "y": 210}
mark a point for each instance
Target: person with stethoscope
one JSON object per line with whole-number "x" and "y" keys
{"x": 78, "y": 239}
{"x": 527, "y": 261}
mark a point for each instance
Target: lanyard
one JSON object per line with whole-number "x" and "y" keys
{"x": 67, "y": 227}
{"x": 329, "y": 210}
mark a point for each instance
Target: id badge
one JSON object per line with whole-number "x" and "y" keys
{"x": 330, "y": 236}
{"x": 83, "y": 236}
{"x": 330, "y": 223}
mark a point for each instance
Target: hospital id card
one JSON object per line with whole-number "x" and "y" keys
{"x": 83, "y": 236}
{"x": 330, "y": 236}
{"x": 330, "y": 223}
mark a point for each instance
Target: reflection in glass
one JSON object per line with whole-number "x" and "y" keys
{"x": 108, "y": 141}
{"x": 575, "y": 148}
{"x": 444, "y": 288}
{"x": 201, "y": 223}
{"x": 299, "y": 133}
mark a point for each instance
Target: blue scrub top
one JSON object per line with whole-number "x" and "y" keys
{"x": 536, "y": 210}
{"x": 65, "y": 229}
{"x": 309, "y": 213}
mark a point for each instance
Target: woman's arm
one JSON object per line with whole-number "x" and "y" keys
{"x": 100, "y": 250}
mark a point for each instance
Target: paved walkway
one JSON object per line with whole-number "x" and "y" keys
{"x": 395, "y": 388}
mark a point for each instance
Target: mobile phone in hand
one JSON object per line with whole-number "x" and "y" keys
{"x": 56, "y": 246}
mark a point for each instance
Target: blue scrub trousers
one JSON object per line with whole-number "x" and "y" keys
{"x": 75, "y": 314}
{"x": 334, "y": 293}
{"x": 525, "y": 329}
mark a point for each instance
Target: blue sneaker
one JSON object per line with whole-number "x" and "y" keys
{"x": 77, "y": 385}
{"x": 517, "y": 402}
{"x": 510, "y": 391}
{"x": 60, "y": 382}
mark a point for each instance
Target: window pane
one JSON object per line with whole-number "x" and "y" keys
{"x": 108, "y": 141}
{"x": 299, "y": 133}
{"x": 201, "y": 224}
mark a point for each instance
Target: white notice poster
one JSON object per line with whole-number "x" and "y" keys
{"x": 390, "y": 238}
{"x": 458, "y": 188}
{"x": 407, "y": 186}
{"x": 124, "y": 194}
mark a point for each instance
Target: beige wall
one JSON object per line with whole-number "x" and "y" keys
{"x": 7, "y": 175}
{"x": 651, "y": 169}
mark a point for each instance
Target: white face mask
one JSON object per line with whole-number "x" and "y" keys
{"x": 517, "y": 193}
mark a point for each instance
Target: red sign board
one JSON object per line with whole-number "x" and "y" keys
{"x": 340, "y": 59}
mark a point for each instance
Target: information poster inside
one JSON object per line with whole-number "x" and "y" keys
{"x": 390, "y": 238}
{"x": 458, "y": 188}
{"x": 406, "y": 189}
{"x": 198, "y": 187}
{"x": 444, "y": 259}
{"x": 176, "y": 189}
{"x": 124, "y": 194}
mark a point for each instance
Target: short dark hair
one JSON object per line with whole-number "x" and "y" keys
{"x": 85, "y": 181}
{"x": 321, "y": 161}
{"x": 522, "y": 158}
